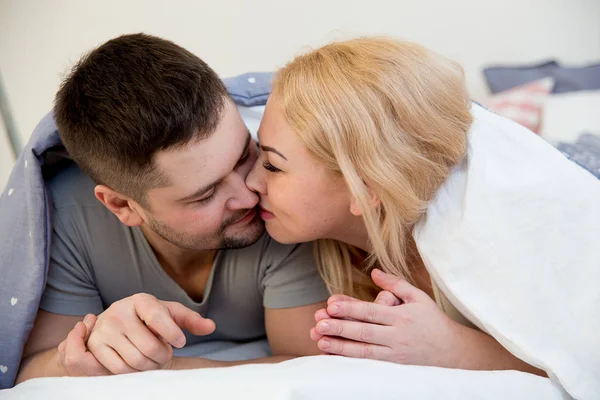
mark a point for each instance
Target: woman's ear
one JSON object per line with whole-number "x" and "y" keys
{"x": 118, "y": 204}
{"x": 355, "y": 208}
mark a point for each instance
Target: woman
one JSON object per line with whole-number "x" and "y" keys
{"x": 356, "y": 139}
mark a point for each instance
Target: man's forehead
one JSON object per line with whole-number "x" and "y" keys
{"x": 202, "y": 161}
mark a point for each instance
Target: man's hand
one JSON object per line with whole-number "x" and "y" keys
{"x": 73, "y": 356}
{"x": 136, "y": 333}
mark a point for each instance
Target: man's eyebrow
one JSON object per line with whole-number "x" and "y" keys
{"x": 205, "y": 189}
{"x": 271, "y": 149}
{"x": 200, "y": 192}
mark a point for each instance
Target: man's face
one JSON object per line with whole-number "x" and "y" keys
{"x": 207, "y": 204}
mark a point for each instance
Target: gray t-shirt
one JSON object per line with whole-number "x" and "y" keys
{"x": 96, "y": 260}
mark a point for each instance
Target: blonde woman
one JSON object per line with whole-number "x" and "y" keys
{"x": 356, "y": 139}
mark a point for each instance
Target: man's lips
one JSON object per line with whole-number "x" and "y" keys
{"x": 249, "y": 216}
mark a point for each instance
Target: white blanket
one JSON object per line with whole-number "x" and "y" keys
{"x": 320, "y": 377}
{"x": 513, "y": 240}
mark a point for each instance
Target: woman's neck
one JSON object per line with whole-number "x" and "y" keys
{"x": 356, "y": 234}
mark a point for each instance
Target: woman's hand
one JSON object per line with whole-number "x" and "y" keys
{"x": 403, "y": 325}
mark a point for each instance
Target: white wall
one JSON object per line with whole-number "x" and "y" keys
{"x": 40, "y": 39}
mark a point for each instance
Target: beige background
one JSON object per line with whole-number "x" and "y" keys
{"x": 40, "y": 39}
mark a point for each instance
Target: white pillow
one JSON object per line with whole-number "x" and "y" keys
{"x": 567, "y": 115}
{"x": 252, "y": 117}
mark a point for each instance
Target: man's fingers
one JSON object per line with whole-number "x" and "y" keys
{"x": 349, "y": 348}
{"x": 89, "y": 321}
{"x": 149, "y": 344}
{"x": 189, "y": 320}
{"x": 357, "y": 331}
{"x": 158, "y": 318}
{"x": 75, "y": 357}
{"x": 362, "y": 311}
{"x": 75, "y": 342}
{"x": 132, "y": 356}
{"x": 111, "y": 360}
{"x": 398, "y": 287}
{"x": 387, "y": 298}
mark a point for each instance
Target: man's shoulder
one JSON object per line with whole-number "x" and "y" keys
{"x": 71, "y": 187}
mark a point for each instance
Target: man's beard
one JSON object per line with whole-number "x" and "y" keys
{"x": 215, "y": 241}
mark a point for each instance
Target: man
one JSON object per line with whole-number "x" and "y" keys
{"x": 155, "y": 230}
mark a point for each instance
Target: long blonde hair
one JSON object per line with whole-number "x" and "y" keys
{"x": 392, "y": 117}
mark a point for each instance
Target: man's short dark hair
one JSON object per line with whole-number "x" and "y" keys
{"x": 128, "y": 99}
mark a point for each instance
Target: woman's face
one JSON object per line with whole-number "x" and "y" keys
{"x": 301, "y": 200}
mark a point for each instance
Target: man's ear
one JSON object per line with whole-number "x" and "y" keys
{"x": 118, "y": 204}
{"x": 355, "y": 208}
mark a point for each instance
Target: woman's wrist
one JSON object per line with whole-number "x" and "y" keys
{"x": 480, "y": 351}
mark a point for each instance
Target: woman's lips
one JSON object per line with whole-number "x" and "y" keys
{"x": 266, "y": 214}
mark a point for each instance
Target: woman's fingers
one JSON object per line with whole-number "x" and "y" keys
{"x": 340, "y": 297}
{"x": 397, "y": 286}
{"x": 387, "y": 298}
{"x": 349, "y": 348}
{"x": 354, "y": 330}
{"x": 362, "y": 311}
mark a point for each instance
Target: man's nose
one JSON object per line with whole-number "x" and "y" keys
{"x": 255, "y": 180}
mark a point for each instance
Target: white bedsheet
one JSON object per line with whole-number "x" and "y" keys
{"x": 319, "y": 377}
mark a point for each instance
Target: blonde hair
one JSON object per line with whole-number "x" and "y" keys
{"x": 392, "y": 117}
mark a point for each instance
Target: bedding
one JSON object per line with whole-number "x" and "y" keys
{"x": 511, "y": 238}
{"x": 567, "y": 79}
{"x": 319, "y": 377}
{"x": 560, "y": 338}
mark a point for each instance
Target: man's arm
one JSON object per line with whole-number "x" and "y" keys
{"x": 102, "y": 345}
{"x": 288, "y": 329}
{"x": 288, "y": 333}
{"x": 56, "y": 348}
{"x": 40, "y": 355}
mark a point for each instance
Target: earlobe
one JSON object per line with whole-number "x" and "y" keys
{"x": 355, "y": 208}
{"x": 118, "y": 204}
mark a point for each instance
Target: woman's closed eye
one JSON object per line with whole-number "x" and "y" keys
{"x": 270, "y": 167}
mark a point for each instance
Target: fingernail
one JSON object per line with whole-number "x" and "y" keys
{"x": 86, "y": 320}
{"x": 334, "y": 309}
{"x": 377, "y": 271}
{"x": 180, "y": 342}
{"x": 323, "y": 327}
{"x": 324, "y": 344}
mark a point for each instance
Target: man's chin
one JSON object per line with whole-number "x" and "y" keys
{"x": 252, "y": 232}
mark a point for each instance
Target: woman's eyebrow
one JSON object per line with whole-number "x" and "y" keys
{"x": 271, "y": 149}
